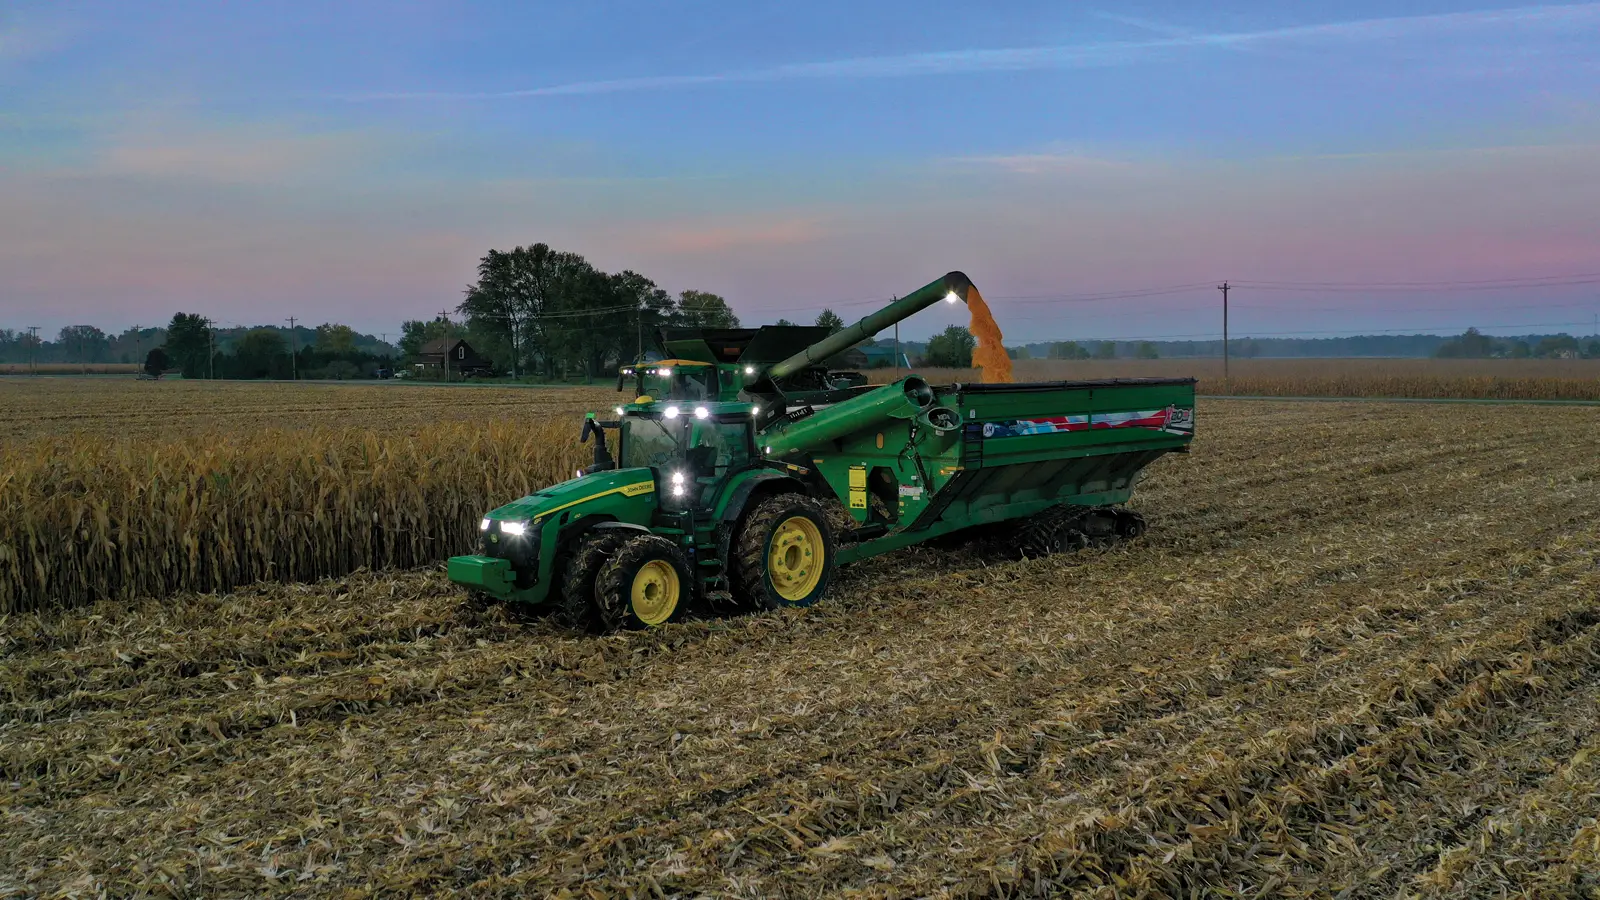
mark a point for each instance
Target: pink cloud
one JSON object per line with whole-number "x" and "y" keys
{"x": 674, "y": 238}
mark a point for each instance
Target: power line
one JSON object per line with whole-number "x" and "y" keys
{"x": 1212, "y": 335}
{"x": 1510, "y": 281}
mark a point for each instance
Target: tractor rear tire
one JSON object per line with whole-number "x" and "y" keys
{"x": 579, "y": 608}
{"x": 785, "y": 554}
{"x": 645, "y": 584}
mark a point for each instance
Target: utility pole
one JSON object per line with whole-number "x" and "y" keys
{"x": 33, "y": 350}
{"x": 294, "y": 351}
{"x": 1223, "y": 287}
{"x": 445, "y": 317}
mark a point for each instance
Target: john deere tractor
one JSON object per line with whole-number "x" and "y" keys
{"x": 746, "y": 470}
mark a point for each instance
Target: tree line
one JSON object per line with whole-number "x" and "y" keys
{"x": 539, "y": 311}
{"x": 1473, "y": 344}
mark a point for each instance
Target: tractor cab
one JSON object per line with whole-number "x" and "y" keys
{"x": 686, "y": 380}
{"x": 692, "y": 448}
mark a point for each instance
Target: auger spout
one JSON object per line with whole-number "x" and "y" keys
{"x": 953, "y": 285}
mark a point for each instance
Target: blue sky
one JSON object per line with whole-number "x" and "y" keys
{"x": 351, "y": 161}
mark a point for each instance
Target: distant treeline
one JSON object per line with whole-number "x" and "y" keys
{"x": 187, "y": 345}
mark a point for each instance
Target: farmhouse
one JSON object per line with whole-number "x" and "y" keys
{"x": 454, "y": 355}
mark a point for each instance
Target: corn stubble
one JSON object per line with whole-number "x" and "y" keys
{"x": 1355, "y": 655}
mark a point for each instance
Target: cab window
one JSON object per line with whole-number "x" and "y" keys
{"x": 650, "y": 442}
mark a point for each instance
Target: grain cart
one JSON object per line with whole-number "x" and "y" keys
{"x": 746, "y": 482}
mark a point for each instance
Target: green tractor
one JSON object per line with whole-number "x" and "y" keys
{"x": 747, "y": 470}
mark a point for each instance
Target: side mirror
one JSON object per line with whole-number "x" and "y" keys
{"x": 602, "y": 453}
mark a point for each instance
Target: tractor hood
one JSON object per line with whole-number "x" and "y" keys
{"x": 627, "y": 487}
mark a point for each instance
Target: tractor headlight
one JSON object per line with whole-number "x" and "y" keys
{"x": 749, "y": 370}
{"x": 484, "y": 525}
{"x": 619, "y": 410}
{"x": 670, "y": 412}
{"x": 577, "y": 473}
{"x": 700, "y": 412}
{"x": 666, "y": 373}
{"x": 677, "y": 490}
{"x": 515, "y": 529}
{"x": 677, "y": 478}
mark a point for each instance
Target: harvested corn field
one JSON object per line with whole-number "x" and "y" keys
{"x": 1355, "y": 653}
{"x": 1431, "y": 379}
{"x": 162, "y": 410}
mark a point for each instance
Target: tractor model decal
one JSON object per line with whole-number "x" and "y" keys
{"x": 1172, "y": 420}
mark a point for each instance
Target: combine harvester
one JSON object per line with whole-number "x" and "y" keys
{"x": 745, "y": 472}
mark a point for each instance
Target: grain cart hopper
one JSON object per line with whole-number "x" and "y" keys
{"x": 754, "y": 494}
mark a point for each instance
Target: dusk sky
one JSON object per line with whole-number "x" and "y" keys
{"x": 350, "y": 161}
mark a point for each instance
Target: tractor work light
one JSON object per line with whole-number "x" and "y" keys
{"x": 677, "y": 490}
{"x": 749, "y": 370}
{"x": 670, "y": 412}
{"x": 619, "y": 410}
{"x": 677, "y": 478}
{"x": 700, "y": 412}
{"x": 515, "y": 529}
{"x": 484, "y": 525}
{"x": 666, "y": 373}
{"x": 952, "y": 297}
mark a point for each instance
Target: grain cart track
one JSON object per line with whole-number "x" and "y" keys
{"x": 1344, "y": 659}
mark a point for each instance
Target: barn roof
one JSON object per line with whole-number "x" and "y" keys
{"x": 443, "y": 345}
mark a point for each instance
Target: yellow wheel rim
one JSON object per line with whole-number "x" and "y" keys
{"x": 654, "y": 597}
{"x": 794, "y": 558}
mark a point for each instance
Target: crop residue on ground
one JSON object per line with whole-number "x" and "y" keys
{"x": 1356, "y": 654}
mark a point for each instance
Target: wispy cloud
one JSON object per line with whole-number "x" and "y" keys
{"x": 703, "y": 238}
{"x": 241, "y": 156}
{"x": 1558, "y": 18}
{"x": 20, "y": 41}
{"x": 1047, "y": 163}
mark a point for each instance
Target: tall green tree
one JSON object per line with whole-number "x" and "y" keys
{"x": 261, "y": 353}
{"x": 1146, "y": 350}
{"x": 335, "y": 340}
{"x": 951, "y": 349}
{"x": 1106, "y": 350}
{"x": 188, "y": 344}
{"x": 83, "y": 343}
{"x": 702, "y": 309}
{"x": 830, "y": 320}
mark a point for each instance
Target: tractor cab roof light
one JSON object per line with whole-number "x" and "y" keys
{"x": 700, "y": 412}
{"x": 670, "y": 412}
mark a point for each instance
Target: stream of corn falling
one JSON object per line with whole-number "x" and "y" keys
{"x": 990, "y": 355}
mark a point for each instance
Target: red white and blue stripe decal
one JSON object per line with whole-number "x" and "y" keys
{"x": 1172, "y": 420}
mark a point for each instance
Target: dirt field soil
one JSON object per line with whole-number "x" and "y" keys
{"x": 1355, "y": 653}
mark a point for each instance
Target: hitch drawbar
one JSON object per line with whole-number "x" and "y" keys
{"x": 486, "y": 573}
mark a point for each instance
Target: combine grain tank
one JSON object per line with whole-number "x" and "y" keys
{"x": 752, "y": 473}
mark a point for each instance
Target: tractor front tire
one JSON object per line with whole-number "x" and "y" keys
{"x": 785, "y": 554}
{"x": 579, "y": 608}
{"x": 645, "y": 584}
